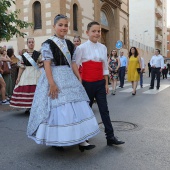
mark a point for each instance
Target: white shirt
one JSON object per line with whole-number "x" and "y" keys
{"x": 142, "y": 63}
{"x": 157, "y": 61}
{"x": 94, "y": 52}
{"x": 123, "y": 61}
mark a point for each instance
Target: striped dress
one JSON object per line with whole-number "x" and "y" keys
{"x": 23, "y": 92}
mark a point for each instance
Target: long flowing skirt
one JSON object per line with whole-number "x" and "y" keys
{"x": 23, "y": 92}
{"x": 23, "y": 96}
{"x": 57, "y": 123}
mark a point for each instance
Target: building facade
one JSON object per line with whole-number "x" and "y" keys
{"x": 112, "y": 14}
{"x": 168, "y": 43}
{"x": 148, "y": 25}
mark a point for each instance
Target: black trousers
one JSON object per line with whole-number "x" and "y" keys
{"x": 97, "y": 90}
{"x": 150, "y": 71}
{"x": 155, "y": 71}
{"x": 122, "y": 71}
{"x": 164, "y": 73}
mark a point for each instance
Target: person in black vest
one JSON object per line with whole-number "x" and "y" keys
{"x": 28, "y": 76}
{"x": 60, "y": 114}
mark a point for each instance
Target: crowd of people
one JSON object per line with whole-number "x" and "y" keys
{"x": 58, "y": 85}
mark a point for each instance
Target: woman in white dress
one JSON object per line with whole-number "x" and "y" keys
{"x": 60, "y": 113}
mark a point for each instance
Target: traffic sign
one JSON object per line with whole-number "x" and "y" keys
{"x": 119, "y": 44}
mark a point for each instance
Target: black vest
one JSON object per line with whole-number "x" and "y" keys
{"x": 35, "y": 57}
{"x": 58, "y": 57}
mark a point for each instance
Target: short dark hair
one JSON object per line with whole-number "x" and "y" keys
{"x": 91, "y": 24}
{"x": 10, "y": 52}
{"x": 159, "y": 51}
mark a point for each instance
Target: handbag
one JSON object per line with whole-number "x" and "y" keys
{"x": 5, "y": 68}
{"x": 139, "y": 70}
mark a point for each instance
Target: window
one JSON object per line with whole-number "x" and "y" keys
{"x": 75, "y": 17}
{"x": 124, "y": 36}
{"x": 103, "y": 19}
{"x": 37, "y": 15}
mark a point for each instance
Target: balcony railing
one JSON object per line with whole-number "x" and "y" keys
{"x": 158, "y": 38}
{"x": 159, "y": 25}
{"x": 158, "y": 12}
{"x": 159, "y": 2}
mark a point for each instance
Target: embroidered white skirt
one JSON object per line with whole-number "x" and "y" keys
{"x": 65, "y": 121}
{"x": 67, "y": 125}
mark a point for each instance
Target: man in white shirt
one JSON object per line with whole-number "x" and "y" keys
{"x": 142, "y": 71}
{"x": 157, "y": 64}
{"x": 122, "y": 69}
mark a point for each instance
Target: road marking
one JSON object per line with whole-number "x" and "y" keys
{"x": 155, "y": 91}
{"x": 117, "y": 87}
{"x": 130, "y": 89}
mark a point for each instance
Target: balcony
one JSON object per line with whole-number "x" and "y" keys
{"x": 158, "y": 38}
{"x": 159, "y": 25}
{"x": 158, "y": 12}
{"x": 159, "y": 2}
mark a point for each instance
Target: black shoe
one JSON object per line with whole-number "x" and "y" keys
{"x": 114, "y": 141}
{"x": 151, "y": 88}
{"x": 141, "y": 86}
{"x": 157, "y": 88}
{"x": 88, "y": 147}
{"x": 27, "y": 111}
{"x": 134, "y": 93}
{"x": 58, "y": 148}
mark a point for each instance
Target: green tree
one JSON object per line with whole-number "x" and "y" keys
{"x": 10, "y": 25}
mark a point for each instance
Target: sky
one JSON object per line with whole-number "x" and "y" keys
{"x": 168, "y": 13}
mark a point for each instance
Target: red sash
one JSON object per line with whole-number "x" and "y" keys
{"x": 92, "y": 71}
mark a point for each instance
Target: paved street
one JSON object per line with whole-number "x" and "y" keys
{"x": 142, "y": 121}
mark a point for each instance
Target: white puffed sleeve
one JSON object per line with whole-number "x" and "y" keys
{"x": 46, "y": 52}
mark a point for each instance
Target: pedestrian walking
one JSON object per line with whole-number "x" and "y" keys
{"x": 134, "y": 68}
{"x": 77, "y": 42}
{"x": 7, "y": 74}
{"x": 165, "y": 70}
{"x": 114, "y": 64}
{"x": 2, "y": 82}
{"x": 149, "y": 68}
{"x": 93, "y": 56}
{"x": 60, "y": 114}
{"x": 122, "y": 69}
{"x": 142, "y": 71}
{"x": 27, "y": 79}
{"x": 157, "y": 64}
{"x": 14, "y": 66}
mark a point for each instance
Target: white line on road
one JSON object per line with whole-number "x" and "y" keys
{"x": 130, "y": 89}
{"x": 155, "y": 91}
{"x": 125, "y": 85}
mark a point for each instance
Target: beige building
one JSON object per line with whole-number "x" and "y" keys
{"x": 113, "y": 16}
{"x": 148, "y": 26}
{"x": 168, "y": 42}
